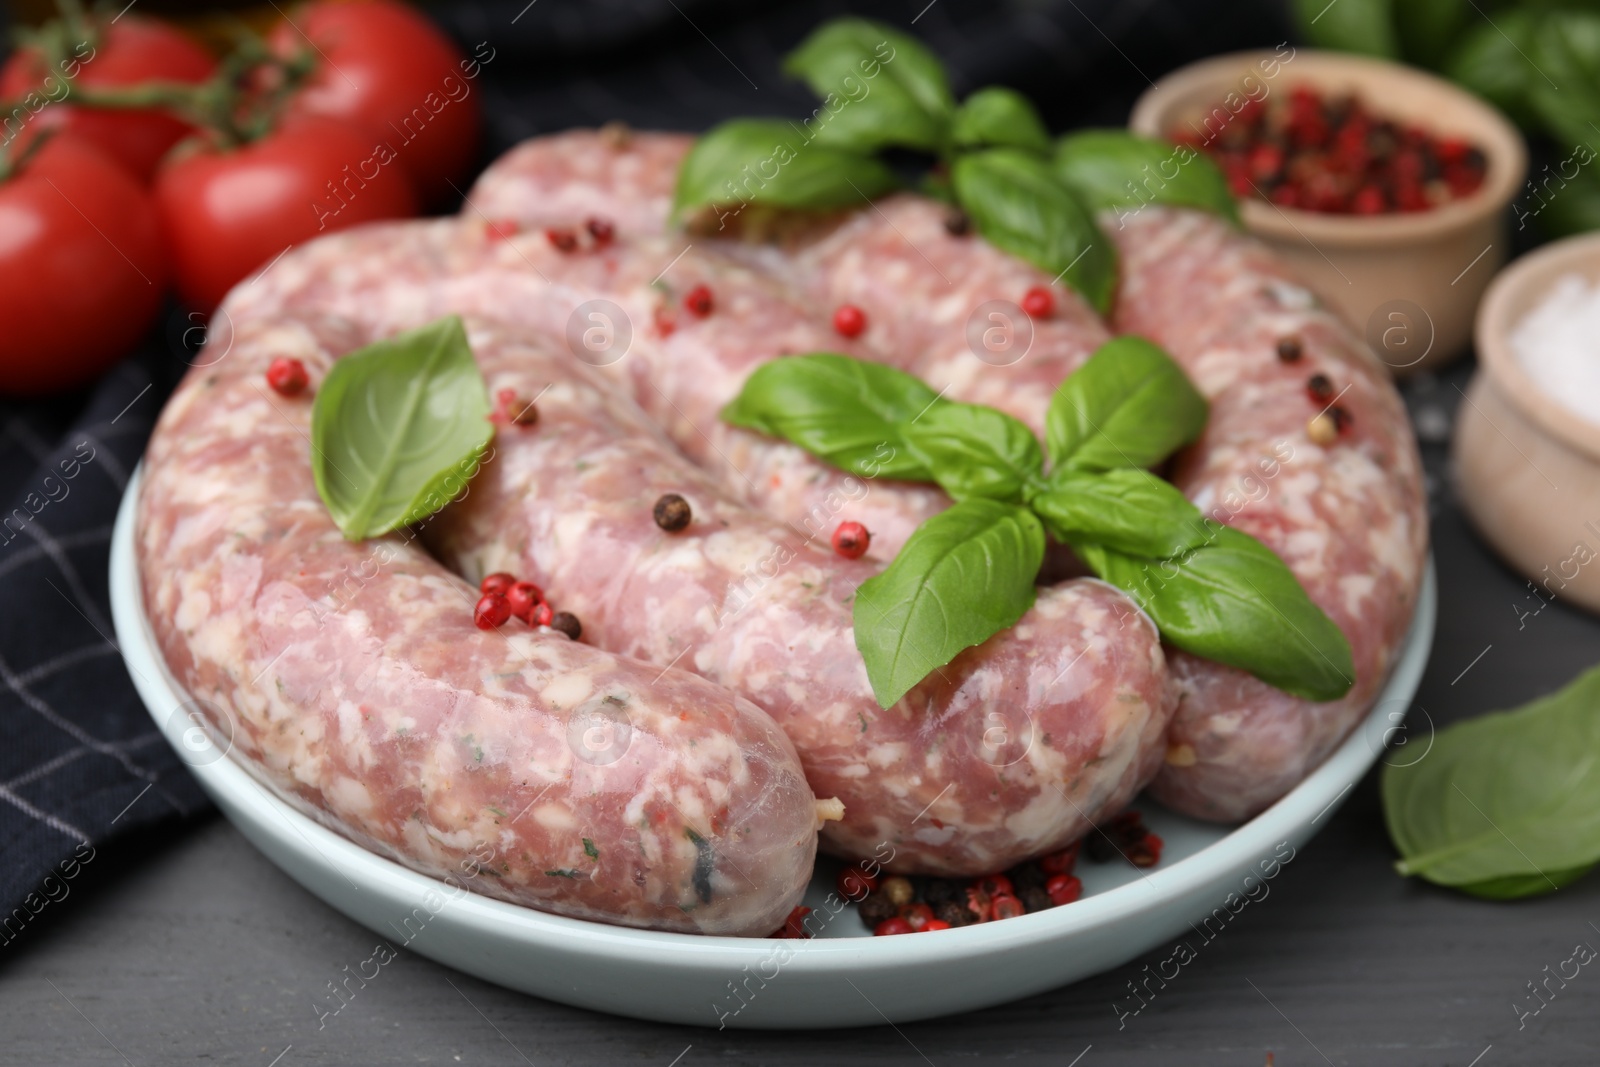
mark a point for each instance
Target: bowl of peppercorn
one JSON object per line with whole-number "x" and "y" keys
{"x": 1387, "y": 188}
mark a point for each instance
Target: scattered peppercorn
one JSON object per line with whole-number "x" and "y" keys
{"x": 498, "y": 582}
{"x": 899, "y": 890}
{"x": 1063, "y": 889}
{"x": 877, "y": 907}
{"x": 958, "y": 224}
{"x": 851, "y": 540}
{"x": 1319, "y": 388}
{"x": 523, "y": 598}
{"x": 895, "y": 925}
{"x": 541, "y": 615}
{"x": 1322, "y": 428}
{"x": 601, "y": 230}
{"x": 1038, "y": 302}
{"x": 492, "y": 610}
{"x": 514, "y": 409}
{"x": 287, "y": 377}
{"x": 1061, "y": 862}
{"x": 849, "y": 321}
{"x": 1006, "y": 906}
{"x": 1289, "y": 350}
{"x": 954, "y": 913}
{"x": 698, "y": 301}
{"x": 1342, "y": 419}
{"x": 566, "y": 622}
{"x": 935, "y": 924}
{"x": 562, "y": 240}
{"x": 672, "y": 512}
{"x": 918, "y": 915}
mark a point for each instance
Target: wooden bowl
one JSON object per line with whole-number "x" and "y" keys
{"x": 1407, "y": 282}
{"x": 1528, "y": 467}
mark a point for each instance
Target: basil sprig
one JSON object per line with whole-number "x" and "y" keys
{"x": 398, "y": 427}
{"x": 879, "y": 87}
{"x": 883, "y": 89}
{"x": 769, "y": 161}
{"x": 1506, "y": 805}
{"x": 997, "y": 117}
{"x": 1115, "y": 168}
{"x": 968, "y": 573}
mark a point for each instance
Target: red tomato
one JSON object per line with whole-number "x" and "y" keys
{"x": 227, "y": 212}
{"x": 388, "y": 68}
{"x": 82, "y": 269}
{"x": 122, "y": 53}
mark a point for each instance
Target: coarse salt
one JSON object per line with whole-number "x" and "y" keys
{"x": 1558, "y": 344}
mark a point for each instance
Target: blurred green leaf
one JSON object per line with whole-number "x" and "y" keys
{"x": 1366, "y": 26}
{"x": 1494, "y": 61}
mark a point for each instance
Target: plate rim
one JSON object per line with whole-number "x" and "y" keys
{"x": 530, "y": 928}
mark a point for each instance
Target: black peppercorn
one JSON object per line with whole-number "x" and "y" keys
{"x": 955, "y": 913}
{"x": 672, "y": 513}
{"x": 1320, "y": 388}
{"x": 957, "y": 224}
{"x": 1289, "y": 349}
{"x": 567, "y": 623}
{"x": 876, "y": 908}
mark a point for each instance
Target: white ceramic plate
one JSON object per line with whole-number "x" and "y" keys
{"x": 843, "y": 978}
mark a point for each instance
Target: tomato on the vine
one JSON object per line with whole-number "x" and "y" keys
{"x": 387, "y": 68}
{"x": 119, "y": 54}
{"x": 82, "y": 271}
{"x": 227, "y": 211}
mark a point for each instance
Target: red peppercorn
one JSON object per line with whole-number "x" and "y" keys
{"x": 793, "y": 927}
{"x": 500, "y": 229}
{"x": 562, "y": 240}
{"x": 851, "y": 540}
{"x": 523, "y": 598}
{"x": 541, "y": 615}
{"x": 601, "y": 230}
{"x": 665, "y": 323}
{"x": 1038, "y": 302}
{"x": 1368, "y": 201}
{"x": 1006, "y": 907}
{"x": 918, "y": 915}
{"x": 934, "y": 924}
{"x": 698, "y": 301}
{"x": 978, "y": 903}
{"x": 849, "y": 321}
{"x": 1061, "y": 862}
{"x": 895, "y": 925}
{"x": 1063, "y": 889}
{"x": 1147, "y": 853}
{"x": 287, "y": 376}
{"x": 498, "y": 582}
{"x": 996, "y": 885}
{"x": 492, "y": 610}
{"x": 854, "y": 883}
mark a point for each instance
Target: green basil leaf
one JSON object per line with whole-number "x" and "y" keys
{"x": 878, "y": 86}
{"x": 1234, "y": 601}
{"x": 846, "y": 412}
{"x": 1130, "y": 405}
{"x": 398, "y": 427}
{"x": 1365, "y": 26}
{"x": 1493, "y": 60}
{"x": 1566, "y": 50}
{"x": 975, "y": 451}
{"x": 1114, "y": 168}
{"x": 1505, "y": 805}
{"x": 1020, "y": 207}
{"x": 770, "y": 161}
{"x": 965, "y": 574}
{"x": 997, "y": 116}
{"x": 1129, "y": 510}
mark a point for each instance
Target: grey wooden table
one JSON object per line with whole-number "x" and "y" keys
{"x": 198, "y": 950}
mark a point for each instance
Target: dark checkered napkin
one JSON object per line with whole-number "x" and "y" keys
{"x": 79, "y": 758}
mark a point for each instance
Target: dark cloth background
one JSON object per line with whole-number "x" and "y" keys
{"x": 80, "y": 759}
